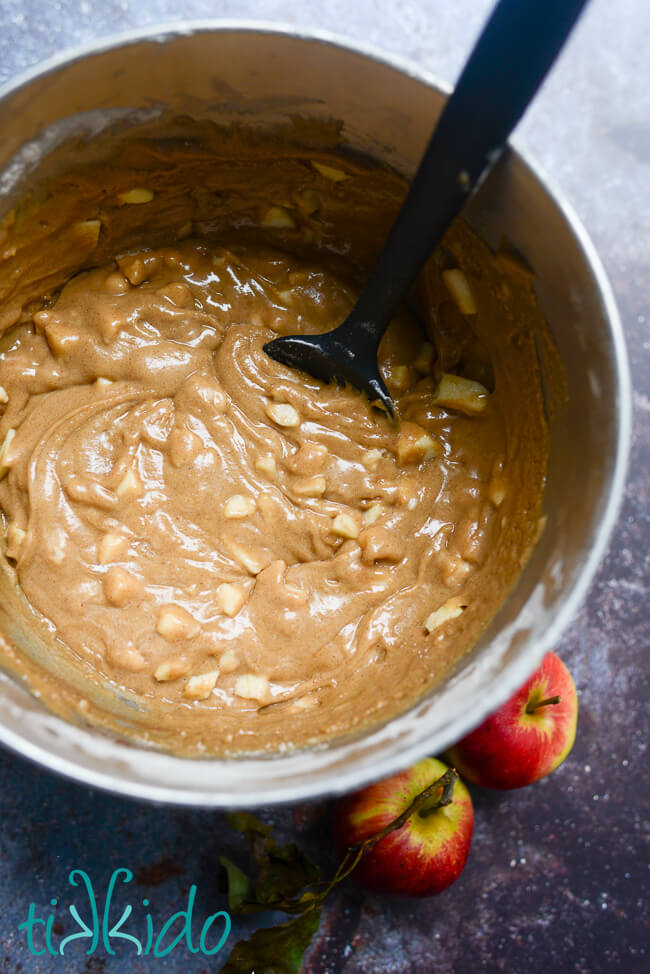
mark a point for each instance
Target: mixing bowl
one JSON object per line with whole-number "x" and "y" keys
{"x": 261, "y": 75}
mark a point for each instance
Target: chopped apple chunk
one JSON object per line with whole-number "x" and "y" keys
{"x": 450, "y": 610}
{"x": 230, "y": 598}
{"x": 112, "y": 547}
{"x": 459, "y": 287}
{"x": 254, "y": 561}
{"x": 266, "y": 464}
{"x": 424, "y": 361}
{"x": 5, "y": 453}
{"x": 238, "y": 507}
{"x": 176, "y": 623}
{"x": 251, "y": 687}
{"x": 200, "y": 687}
{"x": 309, "y": 486}
{"x": 229, "y": 661}
{"x": 278, "y": 218}
{"x": 462, "y": 395}
{"x": 15, "y": 538}
{"x": 130, "y": 485}
{"x": 345, "y": 526}
{"x": 121, "y": 586}
{"x": 330, "y": 172}
{"x": 414, "y": 444}
{"x": 136, "y": 196}
{"x": 283, "y": 413}
{"x": 172, "y": 669}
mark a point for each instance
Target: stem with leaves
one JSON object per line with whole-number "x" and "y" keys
{"x": 287, "y": 881}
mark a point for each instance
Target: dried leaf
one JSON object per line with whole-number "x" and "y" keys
{"x": 274, "y": 950}
{"x": 284, "y": 870}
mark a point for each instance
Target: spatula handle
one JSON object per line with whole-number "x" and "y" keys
{"x": 509, "y": 62}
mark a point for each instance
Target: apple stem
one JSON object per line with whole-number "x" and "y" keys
{"x": 446, "y": 796}
{"x": 532, "y": 707}
{"x": 444, "y": 785}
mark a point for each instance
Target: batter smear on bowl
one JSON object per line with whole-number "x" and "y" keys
{"x": 247, "y": 558}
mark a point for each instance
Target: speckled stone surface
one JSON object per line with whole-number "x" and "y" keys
{"x": 557, "y": 879}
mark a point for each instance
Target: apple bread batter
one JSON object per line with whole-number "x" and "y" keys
{"x": 251, "y": 559}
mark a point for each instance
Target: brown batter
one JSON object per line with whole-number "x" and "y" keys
{"x": 256, "y": 560}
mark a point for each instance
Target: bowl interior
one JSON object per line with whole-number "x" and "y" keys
{"x": 263, "y": 76}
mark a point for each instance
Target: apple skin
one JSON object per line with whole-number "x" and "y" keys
{"x": 423, "y": 857}
{"x": 512, "y": 748}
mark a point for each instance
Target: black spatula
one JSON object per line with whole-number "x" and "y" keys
{"x": 510, "y": 60}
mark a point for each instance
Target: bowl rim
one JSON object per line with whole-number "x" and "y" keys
{"x": 519, "y": 669}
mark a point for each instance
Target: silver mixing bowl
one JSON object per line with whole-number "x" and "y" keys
{"x": 261, "y": 74}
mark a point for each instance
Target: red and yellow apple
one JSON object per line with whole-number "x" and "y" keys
{"x": 430, "y": 849}
{"x": 526, "y": 738}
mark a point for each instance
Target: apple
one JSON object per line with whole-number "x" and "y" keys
{"x": 425, "y": 854}
{"x": 526, "y": 738}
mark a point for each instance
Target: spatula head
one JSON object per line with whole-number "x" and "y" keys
{"x": 326, "y": 358}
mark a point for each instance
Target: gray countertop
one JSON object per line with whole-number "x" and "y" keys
{"x": 557, "y": 876}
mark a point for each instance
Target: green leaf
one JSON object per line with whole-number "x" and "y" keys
{"x": 238, "y": 884}
{"x": 274, "y": 950}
